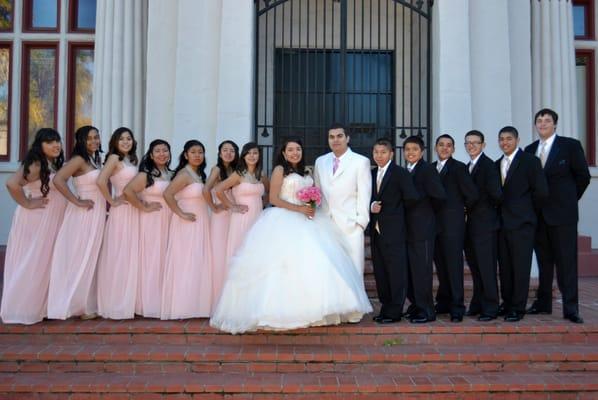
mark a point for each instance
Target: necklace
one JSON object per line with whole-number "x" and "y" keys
{"x": 194, "y": 174}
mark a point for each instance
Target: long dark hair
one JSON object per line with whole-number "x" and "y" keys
{"x": 36, "y": 154}
{"x": 80, "y": 148}
{"x": 242, "y": 165}
{"x": 201, "y": 169}
{"x": 113, "y": 146}
{"x": 286, "y": 166}
{"x": 148, "y": 165}
{"x": 220, "y": 162}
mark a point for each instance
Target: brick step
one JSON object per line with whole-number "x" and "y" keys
{"x": 532, "y": 329}
{"x": 588, "y": 263}
{"x": 133, "y": 359}
{"x": 341, "y": 385}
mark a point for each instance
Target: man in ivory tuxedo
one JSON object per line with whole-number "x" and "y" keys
{"x": 345, "y": 179}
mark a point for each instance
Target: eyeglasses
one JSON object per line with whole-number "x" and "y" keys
{"x": 476, "y": 143}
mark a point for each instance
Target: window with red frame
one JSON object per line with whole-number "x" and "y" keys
{"x": 38, "y": 90}
{"x": 80, "y": 89}
{"x": 5, "y": 73}
{"x": 41, "y": 16}
{"x": 583, "y": 19}
{"x": 6, "y": 15}
{"x": 82, "y": 15}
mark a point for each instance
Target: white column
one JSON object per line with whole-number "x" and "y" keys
{"x": 119, "y": 74}
{"x": 490, "y": 70}
{"x": 553, "y": 62}
{"x": 235, "y": 86}
{"x": 452, "y": 108}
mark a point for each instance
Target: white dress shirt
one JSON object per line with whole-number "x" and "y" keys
{"x": 505, "y": 164}
{"x": 547, "y": 146}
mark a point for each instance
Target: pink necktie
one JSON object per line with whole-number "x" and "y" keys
{"x": 335, "y": 165}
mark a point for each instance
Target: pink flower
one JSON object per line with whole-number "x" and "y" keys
{"x": 310, "y": 195}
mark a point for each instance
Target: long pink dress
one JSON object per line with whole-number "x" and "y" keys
{"x": 153, "y": 241}
{"x": 249, "y": 194}
{"x": 72, "y": 280}
{"x": 187, "y": 287}
{"x": 219, "y": 223}
{"x": 118, "y": 265}
{"x": 28, "y": 257}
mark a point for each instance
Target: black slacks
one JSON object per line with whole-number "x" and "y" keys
{"x": 515, "y": 249}
{"x": 420, "y": 255}
{"x": 480, "y": 251}
{"x": 389, "y": 257}
{"x": 557, "y": 246}
{"x": 448, "y": 258}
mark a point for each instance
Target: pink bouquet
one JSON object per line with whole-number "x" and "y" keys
{"x": 310, "y": 195}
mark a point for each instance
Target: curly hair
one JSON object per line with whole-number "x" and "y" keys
{"x": 148, "y": 165}
{"x": 242, "y": 165}
{"x": 220, "y": 162}
{"x": 286, "y": 166}
{"x": 201, "y": 169}
{"x": 113, "y": 146}
{"x": 80, "y": 148}
{"x": 36, "y": 155}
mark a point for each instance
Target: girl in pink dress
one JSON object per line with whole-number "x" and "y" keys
{"x": 34, "y": 227}
{"x": 144, "y": 192}
{"x": 72, "y": 279}
{"x": 228, "y": 157}
{"x": 118, "y": 264}
{"x": 187, "y": 287}
{"x": 249, "y": 187}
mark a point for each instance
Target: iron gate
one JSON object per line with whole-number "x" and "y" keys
{"x": 363, "y": 63}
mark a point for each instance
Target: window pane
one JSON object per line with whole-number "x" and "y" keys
{"x": 86, "y": 14}
{"x": 4, "y": 88}
{"x": 44, "y": 13}
{"x": 579, "y": 20}
{"x": 42, "y": 90}
{"x": 83, "y": 86}
{"x": 6, "y": 7}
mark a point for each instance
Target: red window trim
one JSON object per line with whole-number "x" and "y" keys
{"x": 24, "y": 128}
{"x": 72, "y": 23}
{"x": 12, "y": 20}
{"x": 590, "y": 104}
{"x": 8, "y": 45}
{"x": 28, "y": 18}
{"x": 71, "y": 86}
{"x": 589, "y": 21}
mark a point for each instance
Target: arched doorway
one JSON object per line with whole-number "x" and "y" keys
{"x": 364, "y": 63}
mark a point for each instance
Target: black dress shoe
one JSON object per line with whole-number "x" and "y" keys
{"x": 502, "y": 310}
{"x": 411, "y": 311}
{"x": 513, "y": 316}
{"x": 421, "y": 319}
{"x": 485, "y": 318}
{"x": 378, "y": 317}
{"x": 534, "y": 310}
{"x": 456, "y": 318}
{"x": 386, "y": 320}
{"x": 575, "y": 318}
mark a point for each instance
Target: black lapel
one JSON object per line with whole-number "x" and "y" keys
{"x": 513, "y": 166}
{"x": 386, "y": 177}
{"x": 552, "y": 156}
{"x": 477, "y": 165}
{"x": 445, "y": 167}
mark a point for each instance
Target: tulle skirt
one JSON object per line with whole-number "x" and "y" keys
{"x": 290, "y": 272}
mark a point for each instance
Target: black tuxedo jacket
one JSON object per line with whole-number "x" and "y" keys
{"x": 421, "y": 219}
{"x": 461, "y": 192}
{"x": 567, "y": 174}
{"x": 524, "y": 190}
{"x": 396, "y": 190}
{"x": 482, "y": 215}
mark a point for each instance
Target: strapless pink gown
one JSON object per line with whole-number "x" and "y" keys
{"x": 118, "y": 266}
{"x": 187, "y": 287}
{"x": 249, "y": 194}
{"x": 153, "y": 241}
{"x": 72, "y": 280}
{"x": 219, "y": 223}
{"x": 28, "y": 257}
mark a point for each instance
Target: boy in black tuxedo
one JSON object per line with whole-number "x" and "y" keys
{"x": 392, "y": 188}
{"x": 568, "y": 176}
{"x": 524, "y": 189}
{"x": 481, "y": 227}
{"x": 421, "y": 230}
{"x": 461, "y": 192}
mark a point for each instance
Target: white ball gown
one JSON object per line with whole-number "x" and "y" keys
{"x": 290, "y": 272}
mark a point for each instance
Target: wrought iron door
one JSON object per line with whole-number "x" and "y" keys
{"x": 363, "y": 63}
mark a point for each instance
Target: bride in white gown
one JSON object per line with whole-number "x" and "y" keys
{"x": 291, "y": 271}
